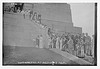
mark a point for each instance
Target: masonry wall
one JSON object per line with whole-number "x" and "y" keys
{"x": 56, "y": 12}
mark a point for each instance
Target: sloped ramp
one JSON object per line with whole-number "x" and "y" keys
{"x": 71, "y": 57}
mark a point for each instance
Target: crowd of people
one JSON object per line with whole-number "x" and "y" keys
{"x": 19, "y": 8}
{"x": 13, "y": 7}
{"x": 79, "y": 45}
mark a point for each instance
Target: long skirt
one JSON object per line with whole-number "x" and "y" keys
{"x": 60, "y": 44}
{"x": 54, "y": 44}
{"x": 57, "y": 44}
{"x": 78, "y": 52}
{"x": 41, "y": 43}
{"x": 82, "y": 51}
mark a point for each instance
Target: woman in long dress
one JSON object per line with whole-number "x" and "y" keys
{"x": 57, "y": 42}
{"x": 41, "y": 41}
{"x": 37, "y": 41}
{"x": 77, "y": 47}
{"x": 23, "y": 13}
{"x": 60, "y": 43}
{"x": 49, "y": 42}
{"x": 92, "y": 43}
{"x": 70, "y": 45}
{"x": 82, "y": 48}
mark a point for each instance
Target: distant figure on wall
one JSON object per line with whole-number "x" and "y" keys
{"x": 23, "y": 13}
{"x": 21, "y": 6}
{"x": 39, "y": 18}
{"x": 18, "y": 11}
{"x": 31, "y": 14}
{"x": 34, "y": 17}
{"x": 18, "y": 6}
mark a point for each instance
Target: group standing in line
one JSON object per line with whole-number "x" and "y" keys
{"x": 76, "y": 44}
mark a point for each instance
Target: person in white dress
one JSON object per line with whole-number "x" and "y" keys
{"x": 23, "y": 13}
{"x": 60, "y": 43}
{"x": 35, "y": 17}
{"x": 57, "y": 43}
{"x": 41, "y": 41}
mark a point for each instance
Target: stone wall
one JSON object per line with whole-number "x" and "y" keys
{"x": 56, "y": 12}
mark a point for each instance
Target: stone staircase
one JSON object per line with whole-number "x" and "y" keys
{"x": 21, "y": 32}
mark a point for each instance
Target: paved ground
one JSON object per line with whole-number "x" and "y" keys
{"x": 32, "y": 54}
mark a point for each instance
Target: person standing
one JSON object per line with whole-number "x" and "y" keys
{"x": 70, "y": 45}
{"x": 63, "y": 42}
{"x": 30, "y": 14}
{"x": 54, "y": 41}
{"x": 23, "y": 13}
{"x": 82, "y": 48}
{"x": 66, "y": 42}
{"x": 57, "y": 42}
{"x": 35, "y": 17}
{"x": 39, "y": 18}
{"x": 60, "y": 43}
{"x": 22, "y": 6}
{"x": 92, "y": 43}
{"x": 12, "y": 7}
{"x": 78, "y": 48}
{"x": 88, "y": 44}
{"x": 49, "y": 42}
{"x": 16, "y": 7}
{"x": 41, "y": 42}
{"x": 75, "y": 41}
{"x": 37, "y": 41}
{"x": 18, "y": 11}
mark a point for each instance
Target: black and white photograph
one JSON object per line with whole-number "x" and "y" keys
{"x": 49, "y": 34}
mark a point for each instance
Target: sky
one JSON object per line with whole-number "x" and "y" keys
{"x": 83, "y": 16}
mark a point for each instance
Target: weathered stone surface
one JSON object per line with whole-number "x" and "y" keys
{"x": 21, "y": 32}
